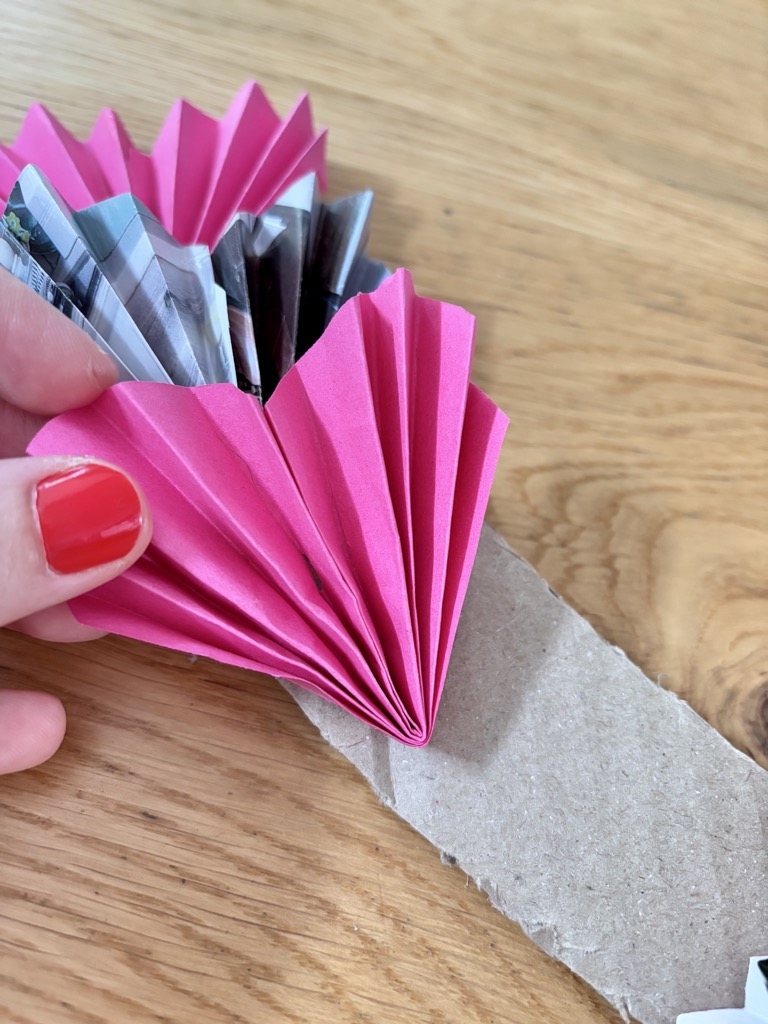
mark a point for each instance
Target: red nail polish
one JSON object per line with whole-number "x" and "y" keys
{"x": 89, "y": 515}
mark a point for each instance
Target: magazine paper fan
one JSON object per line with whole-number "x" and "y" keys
{"x": 201, "y": 171}
{"x": 326, "y": 537}
{"x": 180, "y": 314}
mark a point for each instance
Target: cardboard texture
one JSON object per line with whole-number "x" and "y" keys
{"x": 626, "y": 836}
{"x": 755, "y": 1001}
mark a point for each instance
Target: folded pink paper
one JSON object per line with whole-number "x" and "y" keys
{"x": 201, "y": 171}
{"x": 326, "y": 538}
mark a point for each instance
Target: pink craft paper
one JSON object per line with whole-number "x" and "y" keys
{"x": 201, "y": 171}
{"x": 326, "y": 538}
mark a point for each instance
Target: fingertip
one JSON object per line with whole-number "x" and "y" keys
{"x": 32, "y": 726}
{"x": 102, "y": 371}
{"x": 92, "y": 516}
{"x": 56, "y": 625}
{"x": 69, "y": 526}
{"x": 33, "y": 332}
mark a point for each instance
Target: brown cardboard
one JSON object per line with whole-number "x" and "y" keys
{"x": 627, "y": 838}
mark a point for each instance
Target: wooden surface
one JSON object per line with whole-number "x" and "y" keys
{"x": 589, "y": 179}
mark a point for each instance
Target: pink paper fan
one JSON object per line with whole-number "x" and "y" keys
{"x": 199, "y": 174}
{"x": 326, "y": 538}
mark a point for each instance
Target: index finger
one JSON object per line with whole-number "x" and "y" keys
{"x": 47, "y": 364}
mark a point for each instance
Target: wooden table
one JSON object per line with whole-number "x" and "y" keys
{"x": 589, "y": 179}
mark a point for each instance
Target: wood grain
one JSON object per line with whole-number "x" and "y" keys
{"x": 589, "y": 179}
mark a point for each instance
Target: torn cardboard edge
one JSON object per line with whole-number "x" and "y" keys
{"x": 625, "y": 835}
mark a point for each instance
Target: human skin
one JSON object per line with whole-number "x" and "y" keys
{"x": 68, "y": 524}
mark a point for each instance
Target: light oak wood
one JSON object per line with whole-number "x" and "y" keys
{"x": 589, "y": 179}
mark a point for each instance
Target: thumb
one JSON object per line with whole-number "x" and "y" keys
{"x": 69, "y": 525}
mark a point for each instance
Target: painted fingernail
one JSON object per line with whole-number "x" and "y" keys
{"x": 89, "y": 515}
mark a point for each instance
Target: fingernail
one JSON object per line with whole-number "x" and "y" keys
{"x": 89, "y": 515}
{"x": 104, "y": 369}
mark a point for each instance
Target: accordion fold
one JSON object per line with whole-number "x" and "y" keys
{"x": 326, "y": 537}
{"x": 200, "y": 172}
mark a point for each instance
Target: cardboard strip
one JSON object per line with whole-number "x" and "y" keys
{"x": 625, "y": 835}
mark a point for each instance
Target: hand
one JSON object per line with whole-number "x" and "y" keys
{"x": 68, "y": 525}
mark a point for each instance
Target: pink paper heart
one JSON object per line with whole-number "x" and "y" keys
{"x": 327, "y": 538}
